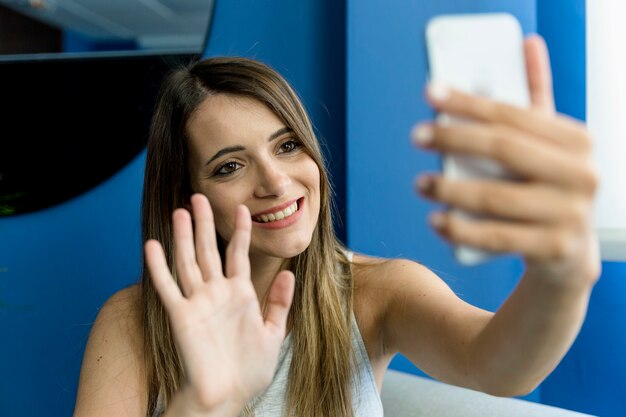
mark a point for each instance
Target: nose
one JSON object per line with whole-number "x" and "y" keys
{"x": 272, "y": 181}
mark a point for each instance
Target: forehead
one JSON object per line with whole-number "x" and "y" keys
{"x": 223, "y": 120}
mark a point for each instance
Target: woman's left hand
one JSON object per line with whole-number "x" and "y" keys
{"x": 547, "y": 215}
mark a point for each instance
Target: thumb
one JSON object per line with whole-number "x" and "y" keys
{"x": 279, "y": 302}
{"x": 539, "y": 73}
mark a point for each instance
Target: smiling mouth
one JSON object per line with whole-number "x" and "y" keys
{"x": 278, "y": 215}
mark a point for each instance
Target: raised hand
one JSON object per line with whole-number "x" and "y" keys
{"x": 229, "y": 350}
{"x": 547, "y": 217}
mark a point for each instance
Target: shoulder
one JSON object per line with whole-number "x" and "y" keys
{"x": 380, "y": 281}
{"x": 120, "y": 316}
{"x": 112, "y": 373}
{"x": 402, "y": 306}
{"x": 371, "y": 273}
{"x": 395, "y": 294}
{"x": 125, "y": 302}
{"x": 377, "y": 284}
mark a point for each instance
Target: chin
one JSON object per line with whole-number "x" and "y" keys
{"x": 286, "y": 251}
{"x": 295, "y": 252}
{"x": 292, "y": 251}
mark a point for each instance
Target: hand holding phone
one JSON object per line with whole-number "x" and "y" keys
{"x": 480, "y": 54}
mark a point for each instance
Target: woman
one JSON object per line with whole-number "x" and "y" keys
{"x": 254, "y": 307}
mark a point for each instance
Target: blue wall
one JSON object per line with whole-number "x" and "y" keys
{"x": 58, "y": 266}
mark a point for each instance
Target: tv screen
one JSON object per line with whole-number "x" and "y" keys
{"x": 67, "y": 123}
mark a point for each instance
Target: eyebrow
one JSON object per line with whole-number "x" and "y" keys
{"x": 238, "y": 148}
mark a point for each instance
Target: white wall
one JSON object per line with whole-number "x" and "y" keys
{"x": 606, "y": 118}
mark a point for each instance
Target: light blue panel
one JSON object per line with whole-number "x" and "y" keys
{"x": 386, "y": 73}
{"x": 57, "y": 266}
{"x": 305, "y": 41}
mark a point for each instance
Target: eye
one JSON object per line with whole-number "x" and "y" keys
{"x": 227, "y": 169}
{"x": 290, "y": 145}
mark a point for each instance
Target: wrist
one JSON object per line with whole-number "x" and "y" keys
{"x": 185, "y": 404}
{"x": 554, "y": 277}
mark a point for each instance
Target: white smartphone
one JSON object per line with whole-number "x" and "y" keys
{"x": 480, "y": 54}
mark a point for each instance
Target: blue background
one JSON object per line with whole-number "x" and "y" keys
{"x": 360, "y": 68}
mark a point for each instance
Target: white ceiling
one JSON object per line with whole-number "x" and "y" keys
{"x": 151, "y": 23}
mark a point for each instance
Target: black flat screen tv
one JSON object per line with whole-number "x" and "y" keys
{"x": 67, "y": 123}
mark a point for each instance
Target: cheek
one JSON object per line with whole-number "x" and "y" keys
{"x": 223, "y": 216}
{"x": 313, "y": 175}
{"x": 313, "y": 182}
{"x": 223, "y": 225}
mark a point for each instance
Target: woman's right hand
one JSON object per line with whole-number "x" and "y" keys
{"x": 228, "y": 348}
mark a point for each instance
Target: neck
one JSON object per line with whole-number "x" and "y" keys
{"x": 263, "y": 270}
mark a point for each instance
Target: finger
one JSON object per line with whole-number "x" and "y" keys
{"x": 237, "y": 260}
{"x": 539, "y": 73}
{"x": 536, "y": 243}
{"x": 562, "y": 131}
{"x": 187, "y": 269}
{"x": 530, "y": 202}
{"x": 207, "y": 252}
{"x": 516, "y": 150}
{"x": 160, "y": 275}
{"x": 279, "y": 302}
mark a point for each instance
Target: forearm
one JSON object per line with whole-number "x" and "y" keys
{"x": 528, "y": 336}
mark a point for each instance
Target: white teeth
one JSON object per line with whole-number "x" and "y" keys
{"x": 279, "y": 215}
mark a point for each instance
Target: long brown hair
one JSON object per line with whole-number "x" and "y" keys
{"x": 322, "y": 365}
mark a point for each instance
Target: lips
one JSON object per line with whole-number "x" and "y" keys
{"x": 277, "y": 213}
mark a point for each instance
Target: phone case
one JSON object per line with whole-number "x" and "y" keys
{"x": 480, "y": 54}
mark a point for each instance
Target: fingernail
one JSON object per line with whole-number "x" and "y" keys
{"x": 422, "y": 134}
{"x": 438, "y": 220}
{"x": 438, "y": 91}
{"x": 425, "y": 184}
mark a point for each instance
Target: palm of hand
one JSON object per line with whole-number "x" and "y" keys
{"x": 226, "y": 346}
{"x": 229, "y": 350}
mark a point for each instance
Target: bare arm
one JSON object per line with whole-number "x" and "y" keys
{"x": 507, "y": 353}
{"x": 528, "y": 336}
{"x": 112, "y": 381}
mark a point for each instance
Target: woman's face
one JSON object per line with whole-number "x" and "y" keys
{"x": 242, "y": 153}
